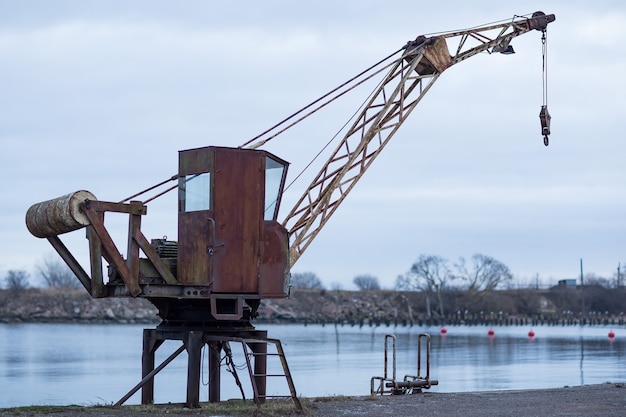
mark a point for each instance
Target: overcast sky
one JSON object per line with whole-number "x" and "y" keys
{"x": 101, "y": 95}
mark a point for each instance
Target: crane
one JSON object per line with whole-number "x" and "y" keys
{"x": 232, "y": 251}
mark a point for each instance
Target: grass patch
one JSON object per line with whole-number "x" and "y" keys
{"x": 271, "y": 408}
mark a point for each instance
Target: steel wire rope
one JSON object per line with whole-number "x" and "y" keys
{"x": 264, "y": 141}
{"x": 202, "y": 367}
{"x": 346, "y": 83}
{"x": 544, "y": 66}
{"x": 172, "y": 178}
{"x": 317, "y": 101}
{"x": 226, "y": 360}
{"x": 332, "y": 139}
{"x": 340, "y": 94}
{"x": 362, "y": 73}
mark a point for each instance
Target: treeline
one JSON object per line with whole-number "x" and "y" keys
{"x": 557, "y": 306}
{"x": 50, "y": 273}
{"x": 447, "y": 286}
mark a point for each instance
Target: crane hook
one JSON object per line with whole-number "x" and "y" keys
{"x": 544, "y": 115}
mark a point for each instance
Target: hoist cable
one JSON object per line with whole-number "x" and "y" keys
{"x": 172, "y": 178}
{"x": 332, "y": 139}
{"x": 544, "y": 64}
{"x": 351, "y": 80}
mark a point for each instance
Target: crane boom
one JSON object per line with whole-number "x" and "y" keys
{"x": 411, "y": 76}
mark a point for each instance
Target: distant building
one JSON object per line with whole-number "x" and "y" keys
{"x": 567, "y": 283}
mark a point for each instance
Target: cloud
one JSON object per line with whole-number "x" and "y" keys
{"x": 102, "y": 95}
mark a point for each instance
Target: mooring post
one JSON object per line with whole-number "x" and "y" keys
{"x": 194, "y": 348}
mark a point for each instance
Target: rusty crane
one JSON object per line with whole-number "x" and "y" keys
{"x": 232, "y": 251}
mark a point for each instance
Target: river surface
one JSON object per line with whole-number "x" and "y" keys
{"x": 65, "y": 364}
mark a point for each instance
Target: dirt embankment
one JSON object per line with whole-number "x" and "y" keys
{"x": 68, "y": 306}
{"x": 326, "y": 306}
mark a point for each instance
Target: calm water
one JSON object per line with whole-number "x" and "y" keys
{"x": 98, "y": 364}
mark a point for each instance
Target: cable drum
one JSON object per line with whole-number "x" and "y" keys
{"x": 59, "y": 215}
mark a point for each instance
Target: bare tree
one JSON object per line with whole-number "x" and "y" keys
{"x": 484, "y": 274}
{"x": 16, "y": 281}
{"x": 306, "y": 280}
{"x": 593, "y": 279}
{"x": 404, "y": 283}
{"x": 430, "y": 274}
{"x": 366, "y": 282}
{"x": 56, "y": 274}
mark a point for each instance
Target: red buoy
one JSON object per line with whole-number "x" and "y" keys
{"x": 611, "y": 334}
{"x": 444, "y": 330}
{"x": 531, "y": 333}
{"x": 491, "y": 332}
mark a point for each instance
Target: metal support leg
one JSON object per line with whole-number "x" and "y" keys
{"x": 214, "y": 372}
{"x": 147, "y": 365}
{"x": 194, "y": 348}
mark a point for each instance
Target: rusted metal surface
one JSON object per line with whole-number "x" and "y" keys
{"x": 436, "y": 56}
{"x": 194, "y": 266}
{"x": 411, "y": 384}
{"x": 95, "y": 263}
{"x": 59, "y": 215}
{"x": 420, "y": 381}
{"x": 384, "y": 380}
{"x": 227, "y": 245}
{"x": 274, "y": 268}
{"x": 238, "y": 201}
{"x": 109, "y": 248}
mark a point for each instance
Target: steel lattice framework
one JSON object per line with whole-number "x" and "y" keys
{"x": 409, "y": 79}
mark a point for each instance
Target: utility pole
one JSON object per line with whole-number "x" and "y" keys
{"x": 619, "y": 277}
{"x": 537, "y": 281}
{"x": 582, "y": 289}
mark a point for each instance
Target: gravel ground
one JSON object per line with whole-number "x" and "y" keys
{"x": 605, "y": 400}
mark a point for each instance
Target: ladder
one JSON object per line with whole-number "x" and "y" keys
{"x": 252, "y": 355}
{"x": 412, "y": 384}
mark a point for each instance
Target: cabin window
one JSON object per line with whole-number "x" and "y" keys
{"x": 194, "y": 192}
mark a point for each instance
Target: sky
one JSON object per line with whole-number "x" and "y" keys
{"x": 102, "y": 95}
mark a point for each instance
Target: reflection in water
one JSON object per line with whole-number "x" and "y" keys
{"x": 95, "y": 364}
{"x": 582, "y": 358}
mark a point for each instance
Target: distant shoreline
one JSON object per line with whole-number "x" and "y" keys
{"x": 354, "y": 308}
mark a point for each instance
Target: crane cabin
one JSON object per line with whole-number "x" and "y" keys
{"x": 229, "y": 239}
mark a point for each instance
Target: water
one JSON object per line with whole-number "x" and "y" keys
{"x": 97, "y": 364}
